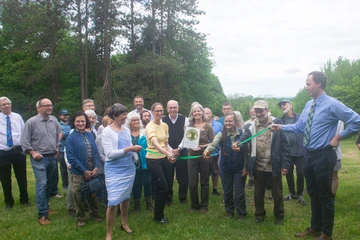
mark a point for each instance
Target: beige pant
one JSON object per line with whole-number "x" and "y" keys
{"x": 77, "y": 181}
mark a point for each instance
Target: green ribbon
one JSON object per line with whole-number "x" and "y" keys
{"x": 254, "y": 136}
{"x": 192, "y": 157}
{"x": 178, "y": 158}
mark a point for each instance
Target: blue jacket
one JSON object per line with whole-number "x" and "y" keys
{"x": 65, "y": 128}
{"x": 142, "y": 153}
{"x": 76, "y": 152}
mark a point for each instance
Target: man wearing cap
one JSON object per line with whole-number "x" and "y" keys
{"x": 41, "y": 139}
{"x": 11, "y": 127}
{"x": 297, "y": 152}
{"x": 318, "y": 121}
{"x": 65, "y": 128}
{"x": 269, "y": 159}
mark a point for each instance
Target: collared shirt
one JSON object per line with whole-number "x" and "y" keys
{"x": 328, "y": 111}
{"x": 263, "y": 147}
{"x": 177, "y": 116}
{"x": 217, "y": 127}
{"x": 65, "y": 128}
{"x": 17, "y": 126}
{"x": 41, "y": 135}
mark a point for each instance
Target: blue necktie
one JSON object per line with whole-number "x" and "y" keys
{"x": 8, "y": 132}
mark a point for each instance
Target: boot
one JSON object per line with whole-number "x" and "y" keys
{"x": 137, "y": 206}
{"x": 149, "y": 205}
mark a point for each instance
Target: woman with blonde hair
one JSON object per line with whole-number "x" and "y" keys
{"x": 197, "y": 119}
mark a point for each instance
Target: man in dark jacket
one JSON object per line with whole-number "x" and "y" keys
{"x": 269, "y": 159}
{"x": 297, "y": 152}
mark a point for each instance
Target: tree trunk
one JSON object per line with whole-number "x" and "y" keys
{"x": 132, "y": 32}
{"x": 86, "y": 80}
{"x": 81, "y": 51}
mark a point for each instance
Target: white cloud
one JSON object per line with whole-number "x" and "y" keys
{"x": 257, "y": 44}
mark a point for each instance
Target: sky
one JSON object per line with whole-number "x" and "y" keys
{"x": 267, "y": 48}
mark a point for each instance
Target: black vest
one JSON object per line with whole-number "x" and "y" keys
{"x": 176, "y": 130}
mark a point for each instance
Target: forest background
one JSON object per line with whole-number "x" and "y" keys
{"x": 112, "y": 50}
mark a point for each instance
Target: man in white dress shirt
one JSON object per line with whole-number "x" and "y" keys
{"x": 11, "y": 127}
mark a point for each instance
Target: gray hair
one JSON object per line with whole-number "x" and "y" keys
{"x": 4, "y": 98}
{"x": 240, "y": 119}
{"x": 193, "y": 108}
{"x": 91, "y": 113}
{"x": 131, "y": 116}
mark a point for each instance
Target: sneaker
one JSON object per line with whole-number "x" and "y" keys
{"x": 44, "y": 220}
{"x": 81, "y": 223}
{"x": 301, "y": 200}
{"x": 58, "y": 196}
{"x": 289, "y": 197}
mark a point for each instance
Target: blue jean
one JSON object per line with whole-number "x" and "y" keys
{"x": 43, "y": 171}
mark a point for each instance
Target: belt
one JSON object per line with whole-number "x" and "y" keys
{"x": 49, "y": 155}
{"x": 14, "y": 150}
{"x": 327, "y": 148}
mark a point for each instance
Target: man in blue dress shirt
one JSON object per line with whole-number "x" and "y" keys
{"x": 214, "y": 166}
{"x": 318, "y": 122}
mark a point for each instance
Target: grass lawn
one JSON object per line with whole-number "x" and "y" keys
{"x": 21, "y": 222}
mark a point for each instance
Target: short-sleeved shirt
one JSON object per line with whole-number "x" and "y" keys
{"x": 161, "y": 132}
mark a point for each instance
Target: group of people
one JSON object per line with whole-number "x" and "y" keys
{"x": 141, "y": 149}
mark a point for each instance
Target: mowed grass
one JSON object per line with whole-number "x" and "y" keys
{"x": 21, "y": 222}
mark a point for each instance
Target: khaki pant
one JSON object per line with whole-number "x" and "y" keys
{"x": 77, "y": 181}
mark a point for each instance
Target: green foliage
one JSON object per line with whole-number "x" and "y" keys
{"x": 344, "y": 81}
{"x": 47, "y": 49}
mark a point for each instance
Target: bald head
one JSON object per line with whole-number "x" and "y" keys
{"x": 208, "y": 114}
{"x": 173, "y": 108}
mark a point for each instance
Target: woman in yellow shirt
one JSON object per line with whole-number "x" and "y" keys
{"x": 158, "y": 159}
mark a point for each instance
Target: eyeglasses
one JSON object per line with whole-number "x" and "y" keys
{"x": 158, "y": 111}
{"x": 47, "y": 105}
{"x": 135, "y": 120}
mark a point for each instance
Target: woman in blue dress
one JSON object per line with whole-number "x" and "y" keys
{"x": 119, "y": 167}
